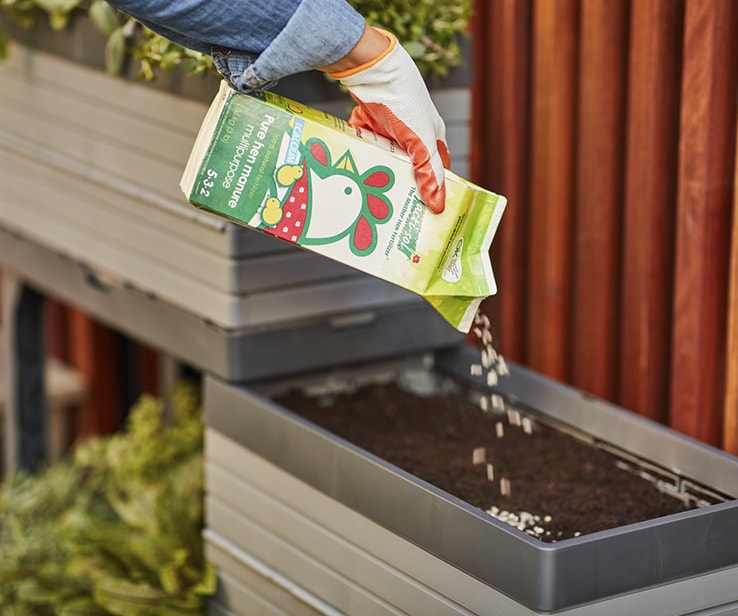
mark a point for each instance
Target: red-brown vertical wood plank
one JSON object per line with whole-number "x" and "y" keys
{"x": 555, "y": 27}
{"x": 650, "y": 205}
{"x": 599, "y": 194}
{"x": 56, "y": 329}
{"x": 149, "y": 370}
{"x": 708, "y": 119}
{"x": 501, "y": 113}
{"x": 730, "y": 406}
{"x": 93, "y": 353}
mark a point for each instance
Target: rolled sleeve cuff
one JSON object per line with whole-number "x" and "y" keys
{"x": 319, "y": 33}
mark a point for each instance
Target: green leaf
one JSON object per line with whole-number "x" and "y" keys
{"x": 209, "y": 582}
{"x": 58, "y": 21}
{"x": 32, "y": 591}
{"x": 115, "y": 52}
{"x": 90, "y": 566}
{"x": 129, "y": 598}
{"x": 57, "y": 6}
{"x": 104, "y": 16}
{"x": 169, "y": 574}
{"x": 415, "y": 48}
{"x": 81, "y": 606}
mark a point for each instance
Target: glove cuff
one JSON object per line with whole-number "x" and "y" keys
{"x": 357, "y": 69}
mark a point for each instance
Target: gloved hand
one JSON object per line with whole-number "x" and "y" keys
{"x": 393, "y": 101}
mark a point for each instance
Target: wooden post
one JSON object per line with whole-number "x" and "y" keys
{"x": 651, "y": 168}
{"x": 599, "y": 194}
{"x": 555, "y": 27}
{"x": 730, "y": 407}
{"x": 501, "y": 158}
{"x": 706, "y": 167}
{"x": 93, "y": 352}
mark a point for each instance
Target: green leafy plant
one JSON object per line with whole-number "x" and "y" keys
{"x": 428, "y": 29}
{"x": 116, "y": 528}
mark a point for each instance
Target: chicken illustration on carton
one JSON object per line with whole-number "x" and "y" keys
{"x": 310, "y": 179}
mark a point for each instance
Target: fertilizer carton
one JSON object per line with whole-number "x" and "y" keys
{"x": 310, "y": 179}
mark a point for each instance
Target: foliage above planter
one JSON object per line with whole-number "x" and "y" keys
{"x": 116, "y": 529}
{"x": 429, "y": 30}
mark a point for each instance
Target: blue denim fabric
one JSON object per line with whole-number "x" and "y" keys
{"x": 254, "y": 43}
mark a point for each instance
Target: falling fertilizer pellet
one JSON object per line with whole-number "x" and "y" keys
{"x": 487, "y": 358}
{"x": 499, "y": 429}
{"x": 513, "y": 417}
{"x": 479, "y": 455}
{"x": 481, "y": 319}
{"x": 527, "y": 425}
{"x": 491, "y": 378}
{"x": 483, "y": 404}
{"x": 505, "y": 486}
{"x": 490, "y": 472}
{"x": 491, "y": 361}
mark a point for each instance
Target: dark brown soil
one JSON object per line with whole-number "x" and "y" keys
{"x": 550, "y": 473}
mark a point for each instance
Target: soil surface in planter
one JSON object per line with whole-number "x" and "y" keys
{"x": 559, "y": 485}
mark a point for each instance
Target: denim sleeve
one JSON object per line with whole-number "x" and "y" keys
{"x": 255, "y": 43}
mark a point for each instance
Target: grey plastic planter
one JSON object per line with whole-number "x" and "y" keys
{"x": 354, "y": 533}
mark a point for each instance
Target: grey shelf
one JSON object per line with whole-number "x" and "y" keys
{"x": 333, "y": 338}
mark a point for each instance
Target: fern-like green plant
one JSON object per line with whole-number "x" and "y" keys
{"x": 116, "y": 528}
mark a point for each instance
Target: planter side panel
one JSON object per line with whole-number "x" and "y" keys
{"x": 342, "y": 557}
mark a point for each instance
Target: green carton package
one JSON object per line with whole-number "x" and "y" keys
{"x": 308, "y": 178}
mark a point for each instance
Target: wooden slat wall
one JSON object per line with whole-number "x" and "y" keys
{"x": 504, "y": 120}
{"x": 705, "y": 185}
{"x": 652, "y": 142}
{"x": 730, "y": 417}
{"x": 598, "y": 202}
{"x": 550, "y": 213}
{"x": 612, "y": 128}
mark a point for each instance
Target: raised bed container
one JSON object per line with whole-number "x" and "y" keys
{"x": 298, "y": 517}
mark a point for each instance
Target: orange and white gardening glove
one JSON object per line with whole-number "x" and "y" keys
{"x": 393, "y": 101}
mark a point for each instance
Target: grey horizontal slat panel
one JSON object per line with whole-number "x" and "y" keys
{"x": 174, "y": 216}
{"x": 382, "y": 548}
{"x": 145, "y": 171}
{"x": 245, "y": 593}
{"x": 216, "y": 609}
{"x": 125, "y": 96}
{"x": 123, "y": 122}
{"x": 142, "y": 136}
{"x": 461, "y": 167}
{"x": 458, "y": 142}
{"x": 237, "y": 355}
{"x": 296, "y": 303}
{"x": 285, "y": 521}
{"x": 65, "y": 201}
{"x": 454, "y": 104}
{"x": 300, "y": 567}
